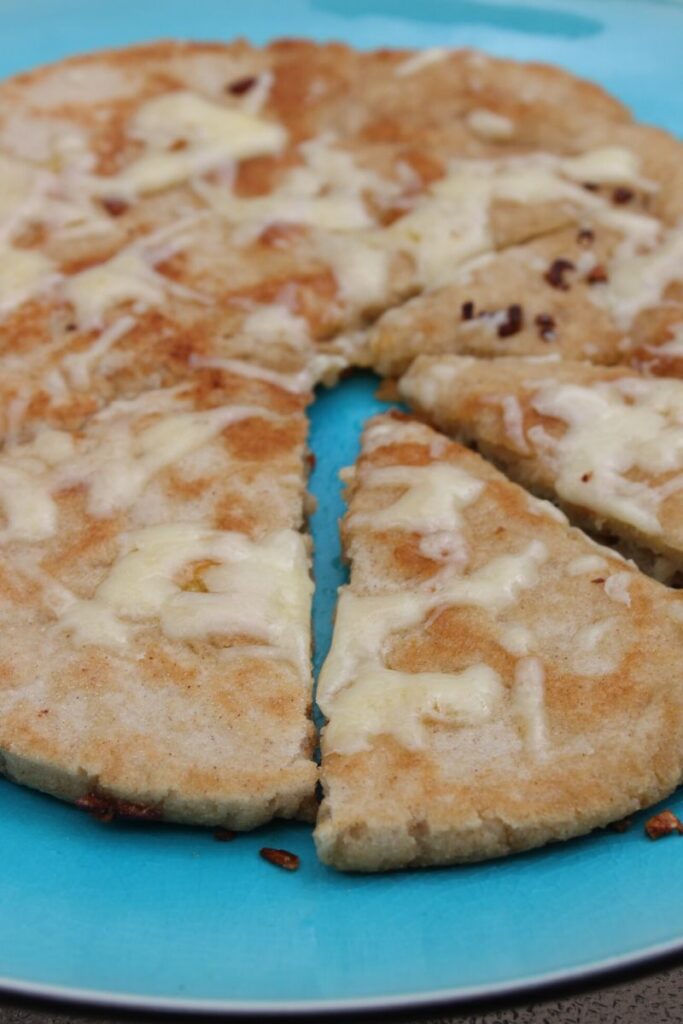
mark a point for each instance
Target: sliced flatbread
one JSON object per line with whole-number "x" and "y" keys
{"x": 175, "y": 203}
{"x": 496, "y": 680}
{"x": 155, "y": 605}
{"x": 605, "y": 442}
{"x": 191, "y": 230}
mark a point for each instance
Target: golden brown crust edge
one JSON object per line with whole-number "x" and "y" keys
{"x": 252, "y": 802}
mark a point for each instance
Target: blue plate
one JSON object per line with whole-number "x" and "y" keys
{"x": 166, "y": 917}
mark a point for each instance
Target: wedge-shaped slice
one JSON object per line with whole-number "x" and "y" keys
{"x": 607, "y": 288}
{"x": 496, "y": 680}
{"x": 606, "y": 442}
{"x": 154, "y": 607}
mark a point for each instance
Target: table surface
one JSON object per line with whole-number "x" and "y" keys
{"x": 655, "y": 998}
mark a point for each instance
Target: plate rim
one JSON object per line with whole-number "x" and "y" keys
{"x": 103, "y": 999}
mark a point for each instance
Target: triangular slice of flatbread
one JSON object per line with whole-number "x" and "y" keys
{"x": 607, "y": 443}
{"x": 155, "y": 604}
{"x": 496, "y": 680}
{"x": 606, "y": 288}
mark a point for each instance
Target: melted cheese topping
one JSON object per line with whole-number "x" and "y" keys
{"x": 51, "y": 446}
{"x": 529, "y": 703}
{"x": 359, "y": 693}
{"x": 125, "y": 460}
{"x": 256, "y": 589}
{"x": 364, "y": 623}
{"x": 421, "y": 59}
{"x": 616, "y": 587}
{"x": 490, "y": 125}
{"x": 586, "y": 564}
{"x": 445, "y": 546}
{"x": 541, "y": 507}
{"x": 129, "y": 277}
{"x": 445, "y": 228}
{"x": 115, "y": 463}
{"x": 16, "y": 186}
{"x": 328, "y": 212}
{"x": 31, "y": 195}
{"x": 92, "y": 622}
{"x": 609, "y": 165}
{"x": 276, "y": 323}
{"x": 673, "y": 347}
{"x": 388, "y": 431}
{"x": 326, "y": 192}
{"x": 334, "y": 171}
{"x": 449, "y": 225}
{"x": 595, "y": 648}
{"x": 425, "y": 383}
{"x": 297, "y": 382}
{"x": 211, "y": 135}
{"x": 56, "y": 198}
{"x": 638, "y": 281}
{"x": 515, "y": 638}
{"x": 612, "y": 430}
{"x": 77, "y": 365}
{"x": 23, "y": 273}
{"x": 126, "y": 277}
{"x": 382, "y": 701}
{"x": 274, "y": 326}
{"x": 435, "y": 496}
{"x": 29, "y": 511}
{"x": 363, "y": 698}
{"x": 120, "y": 467}
{"x": 513, "y": 421}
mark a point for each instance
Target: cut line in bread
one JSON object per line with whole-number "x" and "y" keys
{"x": 604, "y": 287}
{"x": 604, "y": 442}
{"x": 496, "y": 680}
{"x": 174, "y": 204}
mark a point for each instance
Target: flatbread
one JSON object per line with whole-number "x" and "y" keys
{"x": 604, "y": 442}
{"x": 186, "y": 229}
{"x": 155, "y": 607}
{"x": 496, "y": 680}
{"x": 174, "y": 203}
